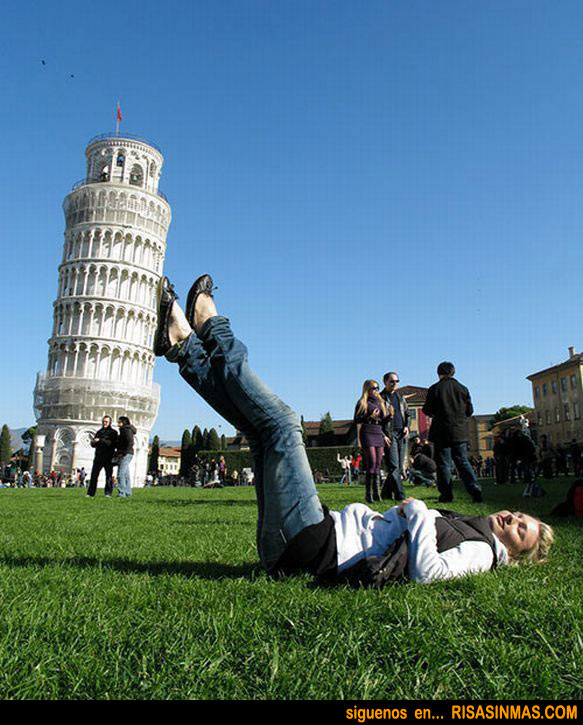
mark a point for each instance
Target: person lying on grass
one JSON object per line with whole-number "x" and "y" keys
{"x": 295, "y": 532}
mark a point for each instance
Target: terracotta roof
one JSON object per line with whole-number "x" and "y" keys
{"x": 515, "y": 422}
{"x": 577, "y": 359}
{"x": 340, "y": 427}
{"x": 414, "y": 394}
{"x": 169, "y": 452}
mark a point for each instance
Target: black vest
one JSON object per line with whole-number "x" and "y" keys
{"x": 452, "y": 529}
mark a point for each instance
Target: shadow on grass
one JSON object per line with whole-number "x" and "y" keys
{"x": 188, "y": 569}
{"x": 214, "y": 503}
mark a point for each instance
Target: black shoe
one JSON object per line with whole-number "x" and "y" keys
{"x": 445, "y": 499}
{"x": 166, "y": 297}
{"x": 203, "y": 285}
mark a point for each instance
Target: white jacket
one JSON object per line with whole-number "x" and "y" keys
{"x": 361, "y": 532}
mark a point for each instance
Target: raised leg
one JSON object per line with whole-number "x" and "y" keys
{"x": 215, "y": 365}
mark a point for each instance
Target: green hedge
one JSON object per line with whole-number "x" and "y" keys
{"x": 320, "y": 458}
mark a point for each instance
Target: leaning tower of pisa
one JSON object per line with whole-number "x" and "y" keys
{"x": 104, "y": 317}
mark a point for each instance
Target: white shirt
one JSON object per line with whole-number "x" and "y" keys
{"x": 361, "y": 532}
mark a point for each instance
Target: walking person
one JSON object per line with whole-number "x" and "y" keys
{"x": 370, "y": 415}
{"x": 294, "y": 532}
{"x": 396, "y": 431}
{"x": 449, "y": 406}
{"x": 125, "y": 451}
{"x": 105, "y": 443}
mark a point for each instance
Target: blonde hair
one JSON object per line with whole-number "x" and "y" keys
{"x": 539, "y": 553}
{"x": 363, "y": 402}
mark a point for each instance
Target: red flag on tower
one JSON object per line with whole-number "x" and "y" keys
{"x": 118, "y": 119}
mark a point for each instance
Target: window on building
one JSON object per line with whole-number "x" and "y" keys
{"x": 490, "y": 443}
{"x": 576, "y": 412}
{"x": 539, "y": 419}
{"x": 573, "y": 382}
{"x": 413, "y": 413}
{"x": 120, "y": 161}
{"x": 544, "y": 389}
{"x": 548, "y": 417}
{"x": 137, "y": 175}
{"x": 554, "y": 387}
{"x": 557, "y": 415}
{"x": 567, "y": 411}
{"x": 564, "y": 385}
{"x": 537, "y": 392}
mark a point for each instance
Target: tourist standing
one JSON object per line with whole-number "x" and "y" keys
{"x": 105, "y": 443}
{"x": 355, "y": 464}
{"x": 575, "y": 453}
{"x": 346, "y": 466}
{"x": 222, "y": 470}
{"x": 396, "y": 430}
{"x": 125, "y": 451}
{"x": 449, "y": 405}
{"x": 370, "y": 414}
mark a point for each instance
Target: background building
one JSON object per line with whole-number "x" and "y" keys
{"x": 169, "y": 461}
{"x": 557, "y": 393}
{"x": 418, "y": 421}
{"x": 104, "y": 318}
{"x": 481, "y": 441}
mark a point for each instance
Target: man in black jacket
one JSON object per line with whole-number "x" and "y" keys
{"x": 449, "y": 406}
{"x": 104, "y": 442}
{"x": 396, "y": 432}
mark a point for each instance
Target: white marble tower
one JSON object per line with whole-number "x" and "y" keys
{"x": 104, "y": 318}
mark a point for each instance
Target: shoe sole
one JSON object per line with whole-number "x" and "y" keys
{"x": 191, "y": 299}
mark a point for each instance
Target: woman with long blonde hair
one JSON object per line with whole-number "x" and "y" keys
{"x": 370, "y": 414}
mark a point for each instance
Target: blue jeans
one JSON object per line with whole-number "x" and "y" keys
{"x": 394, "y": 456}
{"x": 346, "y": 477}
{"x": 420, "y": 478}
{"x": 443, "y": 458}
{"x": 214, "y": 363}
{"x": 124, "y": 483}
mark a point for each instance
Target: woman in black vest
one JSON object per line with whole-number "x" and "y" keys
{"x": 294, "y": 531}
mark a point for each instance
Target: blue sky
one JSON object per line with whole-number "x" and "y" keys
{"x": 374, "y": 186}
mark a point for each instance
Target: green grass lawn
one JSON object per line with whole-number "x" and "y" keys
{"x": 161, "y": 596}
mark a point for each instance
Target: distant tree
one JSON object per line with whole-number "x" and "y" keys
{"x": 197, "y": 440}
{"x": 214, "y": 442}
{"x": 185, "y": 453}
{"x": 5, "y": 446}
{"x": 28, "y": 439}
{"x": 223, "y": 442}
{"x": 205, "y": 440}
{"x": 512, "y": 412}
{"x": 326, "y": 425}
{"x": 154, "y": 455}
{"x": 326, "y": 432}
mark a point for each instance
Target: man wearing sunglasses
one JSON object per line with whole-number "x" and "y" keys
{"x": 396, "y": 432}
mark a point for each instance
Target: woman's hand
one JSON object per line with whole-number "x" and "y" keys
{"x": 404, "y": 503}
{"x": 387, "y": 441}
